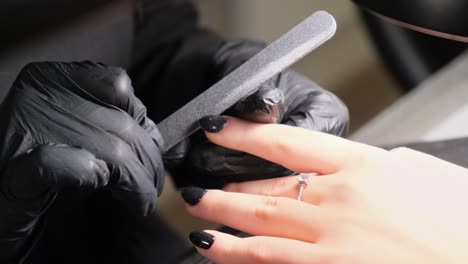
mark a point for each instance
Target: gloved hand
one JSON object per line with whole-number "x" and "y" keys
{"x": 287, "y": 98}
{"x": 72, "y": 125}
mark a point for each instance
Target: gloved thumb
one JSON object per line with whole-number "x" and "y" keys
{"x": 266, "y": 105}
{"x": 52, "y": 168}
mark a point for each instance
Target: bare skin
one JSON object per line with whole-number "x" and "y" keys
{"x": 367, "y": 206}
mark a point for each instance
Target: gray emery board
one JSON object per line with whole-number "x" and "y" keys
{"x": 245, "y": 80}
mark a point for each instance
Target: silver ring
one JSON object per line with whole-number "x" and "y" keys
{"x": 303, "y": 180}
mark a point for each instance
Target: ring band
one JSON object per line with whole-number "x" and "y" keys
{"x": 303, "y": 180}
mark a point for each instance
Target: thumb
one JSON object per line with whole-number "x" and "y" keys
{"x": 53, "y": 168}
{"x": 266, "y": 105}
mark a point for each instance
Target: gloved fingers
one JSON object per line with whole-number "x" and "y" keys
{"x": 52, "y": 168}
{"x": 138, "y": 111}
{"x": 131, "y": 183}
{"x": 213, "y": 166}
{"x": 127, "y": 130}
{"x": 113, "y": 86}
{"x": 333, "y": 124}
{"x": 61, "y": 82}
{"x": 266, "y": 105}
{"x": 312, "y": 107}
{"x": 320, "y": 111}
{"x": 110, "y": 85}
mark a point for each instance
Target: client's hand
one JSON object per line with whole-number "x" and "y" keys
{"x": 367, "y": 206}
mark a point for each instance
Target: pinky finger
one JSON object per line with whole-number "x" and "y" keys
{"x": 228, "y": 249}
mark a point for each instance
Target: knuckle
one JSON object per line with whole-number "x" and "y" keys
{"x": 340, "y": 191}
{"x": 118, "y": 153}
{"x": 30, "y": 66}
{"x": 281, "y": 145}
{"x": 342, "y": 112}
{"x": 400, "y": 150}
{"x": 39, "y": 64}
{"x": 89, "y": 166}
{"x": 128, "y": 130}
{"x": 39, "y": 154}
{"x": 111, "y": 85}
{"x": 30, "y": 69}
{"x": 41, "y": 150}
{"x": 45, "y": 153}
{"x": 121, "y": 84}
{"x": 118, "y": 157}
{"x": 366, "y": 156}
{"x": 267, "y": 207}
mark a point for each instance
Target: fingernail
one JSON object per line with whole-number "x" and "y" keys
{"x": 192, "y": 195}
{"x": 213, "y": 123}
{"x": 202, "y": 239}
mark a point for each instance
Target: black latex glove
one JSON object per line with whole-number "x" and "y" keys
{"x": 287, "y": 98}
{"x": 72, "y": 125}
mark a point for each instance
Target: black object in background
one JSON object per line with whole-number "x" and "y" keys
{"x": 56, "y": 30}
{"x": 443, "y": 18}
{"x": 409, "y": 55}
{"x": 413, "y": 56}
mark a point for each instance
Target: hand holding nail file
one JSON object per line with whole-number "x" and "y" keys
{"x": 282, "y": 53}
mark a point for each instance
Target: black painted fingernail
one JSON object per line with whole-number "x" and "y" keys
{"x": 202, "y": 239}
{"x": 213, "y": 123}
{"x": 192, "y": 195}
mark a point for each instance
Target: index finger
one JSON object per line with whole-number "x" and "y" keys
{"x": 112, "y": 86}
{"x": 297, "y": 149}
{"x": 229, "y": 249}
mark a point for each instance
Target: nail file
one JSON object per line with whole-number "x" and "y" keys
{"x": 245, "y": 80}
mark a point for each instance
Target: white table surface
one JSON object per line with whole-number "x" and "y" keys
{"x": 435, "y": 110}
